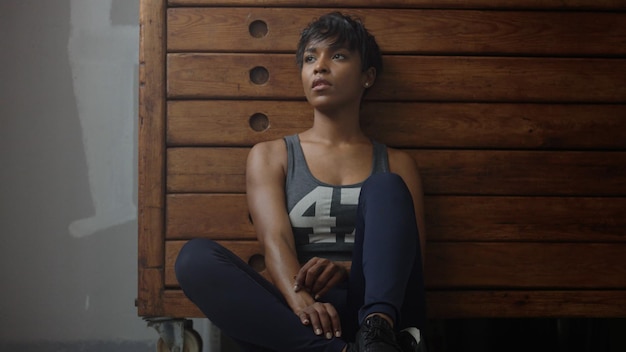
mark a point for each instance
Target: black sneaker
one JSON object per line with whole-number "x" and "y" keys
{"x": 376, "y": 335}
{"x": 410, "y": 340}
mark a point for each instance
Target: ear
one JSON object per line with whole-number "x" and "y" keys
{"x": 369, "y": 77}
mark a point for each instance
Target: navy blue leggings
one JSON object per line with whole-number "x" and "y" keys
{"x": 385, "y": 277}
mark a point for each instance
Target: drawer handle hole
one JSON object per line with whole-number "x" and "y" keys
{"x": 259, "y": 122}
{"x": 258, "y": 29}
{"x": 259, "y": 75}
{"x": 257, "y": 262}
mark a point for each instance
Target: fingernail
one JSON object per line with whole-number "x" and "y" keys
{"x": 329, "y": 335}
{"x": 318, "y": 331}
{"x": 316, "y": 297}
{"x": 337, "y": 333}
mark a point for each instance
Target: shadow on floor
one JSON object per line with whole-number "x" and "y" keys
{"x": 517, "y": 335}
{"x": 537, "y": 335}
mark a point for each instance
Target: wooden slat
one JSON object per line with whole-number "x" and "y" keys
{"x": 216, "y": 216}
{"x": 541, "y": 219}
{"x": 450, "y": 172}
{"x": 151, "y": 163}
{"x": 522, "y": 173}
{"x": 177, "y": 305}
{"x": 498, "y": 126}
{"x": 421, "y": 78}
{"x": 483, "y": 304}
{"x": 493, "y": 265}
{"x": 229, "y": 123}
{"x": 206, "y": 170}
{"x": 458, "y": 4}
{"x": 526, "y": 265}
{"x": 417, "y": 125}
{"x": 526, "y": 304}
{"x": 407, "y": 31}
{"x": 549, "y": 219}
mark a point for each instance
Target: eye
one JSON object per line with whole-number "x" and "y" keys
{"x": 339, "y": 56}
{"x": 309, "y": 58}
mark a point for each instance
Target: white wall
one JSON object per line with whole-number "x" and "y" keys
{"x": 68, "y": 102}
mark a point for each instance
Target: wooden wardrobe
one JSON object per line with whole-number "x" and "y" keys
{"x": 515, "y": 111}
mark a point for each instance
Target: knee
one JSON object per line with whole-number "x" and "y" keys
{"x": 194, "y": 255}
{"x": 385, "y": 178}
{"x": 387, "y": 184}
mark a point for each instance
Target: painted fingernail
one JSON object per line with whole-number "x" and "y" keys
{"x": 329, "y": 335}
{"x": 318, "y": 331}
{"x": 337, "y": 333}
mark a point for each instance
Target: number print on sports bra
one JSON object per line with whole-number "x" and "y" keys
{"x": 321, "y": 210}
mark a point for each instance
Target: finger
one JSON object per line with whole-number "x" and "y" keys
{"x": 304, "y": 318}
{"x": 297, "y": 285}
{"x": 301, "y": 275}
{"x": 321, "y": 284}
{"x": 324, "y": 311}
{"x": 330, "y": 284}
{"x": 298, "y": 281}
{"x": 312, "y": 275}
{"x": 334, "y": 320}
{"x": 315, "y": 322}
{"x": 329, "y": 279}
{"x": 311, "y": 267}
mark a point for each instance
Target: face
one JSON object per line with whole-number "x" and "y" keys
{"x": 332, "y": 77}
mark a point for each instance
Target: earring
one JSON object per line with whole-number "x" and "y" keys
{"x": 367, "y": 84}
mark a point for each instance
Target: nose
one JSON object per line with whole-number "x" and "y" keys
{"x": 320, "y": 65}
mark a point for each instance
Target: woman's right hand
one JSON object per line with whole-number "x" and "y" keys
{"x": 318, "y": 276}
{"x": 323, "y": 318}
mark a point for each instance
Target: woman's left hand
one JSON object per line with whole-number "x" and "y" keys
{"x": 319, "y": 275}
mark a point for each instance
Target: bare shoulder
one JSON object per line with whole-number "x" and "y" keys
{"x": 267, "y": 148}
{"x": 268, "y": 156}
{"x": 402, "y": 163}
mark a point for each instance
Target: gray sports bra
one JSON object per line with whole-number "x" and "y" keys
{"x": 323, "y": 216}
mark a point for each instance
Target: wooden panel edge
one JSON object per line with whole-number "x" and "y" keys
{"x": 527, "y": 304}
{"x": 449, "y": 4}
{"x": 151, "y": 163}
{"x": 481, "y": 304}
{"x": 149, "y": 302}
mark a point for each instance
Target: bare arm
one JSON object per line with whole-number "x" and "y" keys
{"x": 265, "y": 177}
{"x": 404, "y": 165}
{"x": 265, "y": 187}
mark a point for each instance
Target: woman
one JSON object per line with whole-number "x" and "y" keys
{"x": 320, "y": 199}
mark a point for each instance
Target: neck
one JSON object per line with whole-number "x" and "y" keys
{"x": 337, "y": 127}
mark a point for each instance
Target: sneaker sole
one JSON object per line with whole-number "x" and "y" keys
{"x": 415, "y": 332}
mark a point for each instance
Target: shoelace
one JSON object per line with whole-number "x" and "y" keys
{"x": 377, "y": 334}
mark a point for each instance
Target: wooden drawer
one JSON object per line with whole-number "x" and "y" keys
{"x": 403, "y": 31}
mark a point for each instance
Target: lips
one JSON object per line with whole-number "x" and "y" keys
{"x": 320, "y": 83}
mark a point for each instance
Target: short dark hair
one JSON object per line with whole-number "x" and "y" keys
{"x": 343, "y": 30}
